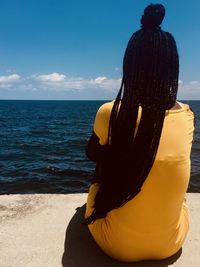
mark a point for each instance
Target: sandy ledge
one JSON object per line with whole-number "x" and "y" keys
{"x": 45, "y": 230}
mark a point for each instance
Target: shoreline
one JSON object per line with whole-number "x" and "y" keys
{"x": 46, "y": 230}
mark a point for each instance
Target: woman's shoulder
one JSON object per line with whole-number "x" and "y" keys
{"x": 101, "y": 123}
{"x": 181, "y": 107}
{"x": 103, "y": 113}
{"x": 184, "y": 105}
{"x": 187, "y": 108}
{"x": 105, "y": 108}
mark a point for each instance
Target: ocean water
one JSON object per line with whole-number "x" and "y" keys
{"x": 42, "y": 146}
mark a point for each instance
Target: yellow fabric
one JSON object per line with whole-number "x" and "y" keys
{"x": 154, "y": 224}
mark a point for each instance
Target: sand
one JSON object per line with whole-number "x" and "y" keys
{"x": 45, "y": 230}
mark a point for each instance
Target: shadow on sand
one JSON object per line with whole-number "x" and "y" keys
{"x": 81, "y": 250}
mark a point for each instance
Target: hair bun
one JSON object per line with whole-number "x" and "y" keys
{"x": 153, "y": 16}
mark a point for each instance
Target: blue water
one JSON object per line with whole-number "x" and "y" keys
{"x": 42, "y": 146}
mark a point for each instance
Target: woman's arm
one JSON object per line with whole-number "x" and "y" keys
{"x": 96, "y": 148}
{"x": 94, "y": 151}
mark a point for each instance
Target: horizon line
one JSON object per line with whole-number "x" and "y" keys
{"x": 26, "y": 99}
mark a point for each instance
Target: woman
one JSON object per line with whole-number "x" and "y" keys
{"x": 141, "y": 143}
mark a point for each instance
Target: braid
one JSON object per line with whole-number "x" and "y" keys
{"x": 150, "y": 82}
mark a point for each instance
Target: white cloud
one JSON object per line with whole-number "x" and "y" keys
{"x": 53, "y": 77}
{"x": 9, "y": 78}
{"x": 194, "y": 83}
{"x": 99, "y": 80}
{"x": 59, "y": 84}
{"x": 189, "y": 90}
{"x": 106, "y": 83}
{"x": 57, "y": 81}
{"x": 7, "y": 81}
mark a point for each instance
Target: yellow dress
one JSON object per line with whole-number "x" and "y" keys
{"x": 154, "y": 224}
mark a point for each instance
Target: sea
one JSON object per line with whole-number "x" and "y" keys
{"x": 42, "y": 146}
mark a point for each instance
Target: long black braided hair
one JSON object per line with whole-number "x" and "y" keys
{"x": 150, "y": 80}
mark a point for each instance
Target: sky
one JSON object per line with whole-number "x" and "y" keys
{"x": 73, "y": 49}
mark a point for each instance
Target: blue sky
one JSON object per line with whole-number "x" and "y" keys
{"x": 73, "y": 49}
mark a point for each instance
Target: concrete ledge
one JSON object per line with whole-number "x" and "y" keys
{"x": 45, "y": 230}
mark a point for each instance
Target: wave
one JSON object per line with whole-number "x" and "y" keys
{"x": 68, "y": 172}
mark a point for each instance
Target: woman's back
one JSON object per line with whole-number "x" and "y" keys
{"x": 153, "y": 224}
